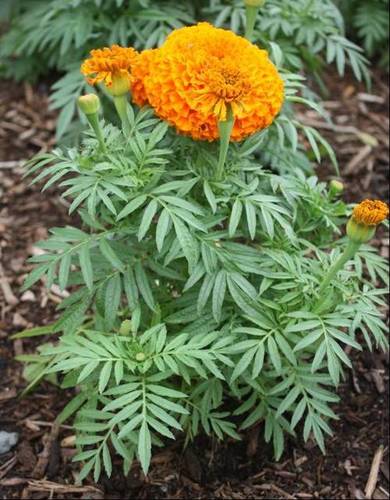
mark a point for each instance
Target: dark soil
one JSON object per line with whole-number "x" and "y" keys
{"x": 40, "y": 465}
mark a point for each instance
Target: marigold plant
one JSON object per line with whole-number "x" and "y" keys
{"x": 204, "y": 296}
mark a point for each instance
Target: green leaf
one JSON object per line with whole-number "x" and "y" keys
{"x": 73, "y": 405}
{"x": 110, "y": 255}
{"x": 131, "y": 289}
{"x": 86, "y": 266}
{"x": 219, "y": 295}
{"x": 235, "y": 217}
{"x": 165, "y": 391}
{"x": 144, "y": 446}
{"x": 243, "y": 364}
{"x": 147, "y": 218}
{"x": 258, "y": 360}
{"x": 274, "y": 354}
{"x": 162, "y": 228}
{"x": 126, "y": 412}
{"x": 87, "y": 370}
{"x": 164, "y": 416}
{"x": 34, "y": 332}
{"x": 288, "y": 401}
{"x": 205, "y": 291}
{"x": 112, "y": 298}
{"x": 107, "y": 460}
{"x": 159, "y": 427}
{"x": 251, "y": 218}
{"x": 131, "y": 206}
{"x": 86, "y": 469}
{"x": 105, "y": 376}
{"x": 130, "y": 426}
{"x": 298, "y": 413}
{"x": 143, "y": 285}
{"x": 120, "y": 447}
{"x": 63, "y": 273}
{"x": 210, "y": 196}
{"x": 308, "y": 340}
{"x": 188, "y": 244}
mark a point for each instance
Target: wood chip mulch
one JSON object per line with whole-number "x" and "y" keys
{"x": 40, "y": 465}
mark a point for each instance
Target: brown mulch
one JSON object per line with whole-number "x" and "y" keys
{"x": 40, "y": 465}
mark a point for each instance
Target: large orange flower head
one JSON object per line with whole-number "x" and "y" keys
{"x": 202, "y": 71}
{"x": 112, "y": 67}
{"x": 370, "y": 212}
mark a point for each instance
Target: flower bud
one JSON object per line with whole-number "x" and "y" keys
{"x": 335, "y": 187}
{"x": 254, "y": 3}
{"x": 140, "y": 356}
{"x": 89, "y": 104}
{"x": 125, "y": 328}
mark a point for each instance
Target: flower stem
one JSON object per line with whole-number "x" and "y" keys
{"x": 225, "y": 129}
{"x": 121, "y": 108}
{"x": 251, "y": 14}
{"x": 95, "y": 125}
{"x": 350, "y": 250}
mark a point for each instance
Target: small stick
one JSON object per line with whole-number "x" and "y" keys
{"x": 12, "y": 164}
{"x": 373, "y": 476}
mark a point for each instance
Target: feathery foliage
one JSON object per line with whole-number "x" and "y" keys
{"x": 47, "y": 35}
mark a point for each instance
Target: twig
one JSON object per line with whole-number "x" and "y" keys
{"x": 11, "y": 164}
{"x": 373, "y": 477}
{"x": 357, "y": 159}
{"x": 7, "y": 291}
{"x": 44, "y": 456}
{"x": 43, "y": 485}
{"x": 7, "y": 466}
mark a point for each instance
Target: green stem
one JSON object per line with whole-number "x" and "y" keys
{"x": 251, "y": 14}
{"x": 121, "y": 108}
{"x": 350, "y": 250}
{"x": 95, "y": 125}
{"x": 225, "y": 129}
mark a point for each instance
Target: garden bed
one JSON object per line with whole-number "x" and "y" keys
{"x": 40, "y": 465}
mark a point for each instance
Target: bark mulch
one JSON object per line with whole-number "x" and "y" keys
{"x": 40, "y": 465}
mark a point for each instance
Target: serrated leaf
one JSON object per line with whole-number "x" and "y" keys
{"x": 144, "y": 447}
{"x": 132, "y": 206}
{"x": 86, "y": 266}
{"x": 110, "y": 254}
{"x": 105, "y": 376}
{"x": 147, "y": 218}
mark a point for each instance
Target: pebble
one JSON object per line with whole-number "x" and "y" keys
{"x": 7, "y": 441}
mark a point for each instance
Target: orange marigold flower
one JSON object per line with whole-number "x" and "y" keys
{"x": 111, "y": 66}
{"x": 141, "y": 69}
{"x": 201, "y": 71}
{"x": 370, "y": 212}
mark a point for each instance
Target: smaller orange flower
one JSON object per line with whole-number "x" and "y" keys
{"x": 112, "y": 67}
{"x": 370, "y": 212}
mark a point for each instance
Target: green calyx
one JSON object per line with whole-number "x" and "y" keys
{"x": 359, "y": 233}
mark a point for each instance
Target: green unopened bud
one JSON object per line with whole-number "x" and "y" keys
{"x": 252, "y": 8}
{"x": 336, "y": 187}
{"x": 126, "y": 327}
{"x": 359, "y": 233}
{"x": 254, "y": 3}
{"x": 89, "y": 104}
{"x": 140, "y": 356}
